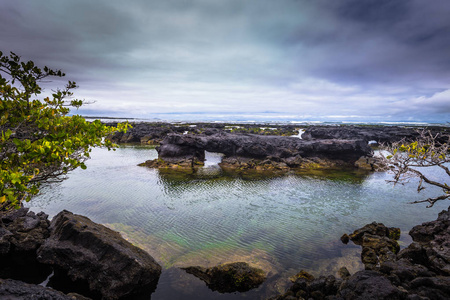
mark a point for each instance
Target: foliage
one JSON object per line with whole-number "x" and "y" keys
{"x": 407, "y": 160}
{"x": 39, "y": 143}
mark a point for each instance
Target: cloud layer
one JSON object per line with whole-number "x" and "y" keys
{"x": 306, "y": 59}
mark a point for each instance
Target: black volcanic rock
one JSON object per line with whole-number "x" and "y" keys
{"x": 431, "y": 245}
{"x": 229, "y": 278}
{"x": 379, "y": 243}
{"x": 154, "y": 133}
{"x": 370, "y": 285}
{"x": 290, "y": 151}
{"x": 92, "y": 256}
{"x": 146, "y": 133}
{"x": 22, "y": 232}
{"x": 17, "y": 290}
{"x": 380, "y": 134}
{"x": 420, "y": 271}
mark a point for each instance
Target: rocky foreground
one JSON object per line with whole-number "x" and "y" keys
{"x": 80, "y": 259}
{"x": 71, "y": 254}
{"x": 420, "y": 271}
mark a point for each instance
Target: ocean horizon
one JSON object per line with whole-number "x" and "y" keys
{"x": 262, "y": 119}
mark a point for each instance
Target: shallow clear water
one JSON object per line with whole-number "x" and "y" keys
{"x": 281, "y": 225}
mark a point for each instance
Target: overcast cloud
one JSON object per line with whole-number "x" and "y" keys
{"x": 301, "y": 59}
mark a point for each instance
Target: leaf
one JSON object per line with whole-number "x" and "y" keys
{"x": 59, "y": 144}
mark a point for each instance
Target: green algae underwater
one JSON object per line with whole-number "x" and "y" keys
{"x": 281, "y": 224}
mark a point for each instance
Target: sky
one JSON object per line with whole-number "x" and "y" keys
{"x": 349, "y": 60}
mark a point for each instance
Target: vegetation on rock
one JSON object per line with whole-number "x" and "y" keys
{"x": 39, "y": 142}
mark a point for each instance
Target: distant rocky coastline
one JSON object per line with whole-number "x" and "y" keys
{"x": 277, "y": 149}
{"x": 154, "y": 133}
{"x": 257, "y": 152}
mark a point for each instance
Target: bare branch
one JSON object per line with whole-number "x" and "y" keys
{"x": 432, "y": 201}
{"x": 424, "y": 178}
{"x": 404, "y": 160}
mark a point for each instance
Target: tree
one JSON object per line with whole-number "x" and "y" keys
{"x": 39, "y": 142}
{"x": 407, "y": 160}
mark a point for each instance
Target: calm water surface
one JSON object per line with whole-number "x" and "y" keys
{"x": 281, "y": 225}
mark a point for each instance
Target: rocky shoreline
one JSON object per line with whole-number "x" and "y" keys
{"x": 78, "y": 259}
{"x": 255, "y": 148}
{"x": 420, "y": 271}
{"x": 72, "y": 255}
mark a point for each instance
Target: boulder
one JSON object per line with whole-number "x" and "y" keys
{"x": 307, "y": 287}
{"x": 17, "y": 290}
{"x": 229, "y": 278}
{"x": 379, "y": 243}
{"x": 404, "y": 270}
{"x": 377, "y": 229}
{"x": 22, "y": 232}
{"x": 432, "y": 244}
{"x": 369, "y": 284}
{"x": 87, "y": 255}
{"x": 431, "y": 287}
{"x": 28, "y": 230}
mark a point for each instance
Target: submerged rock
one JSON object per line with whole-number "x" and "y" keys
{"x": 87, "y": 255}
{"x": 228, "y": 278}
{"x": 302, "y": 274}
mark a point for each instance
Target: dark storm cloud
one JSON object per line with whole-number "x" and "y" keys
{"x": 379, "y": 42}
{"x": 374, "y": 12}
{"x": 350, "y": 57}
{"x": 72, "y": 35}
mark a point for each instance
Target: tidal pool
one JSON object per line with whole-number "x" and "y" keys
{"x": 280, "y": 224}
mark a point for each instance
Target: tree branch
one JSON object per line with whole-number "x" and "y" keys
{"x": 432, "y": 201}
{"x": 430, "y": 150}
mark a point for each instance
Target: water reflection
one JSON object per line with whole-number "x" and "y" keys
{"x": 282, "y": 224}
